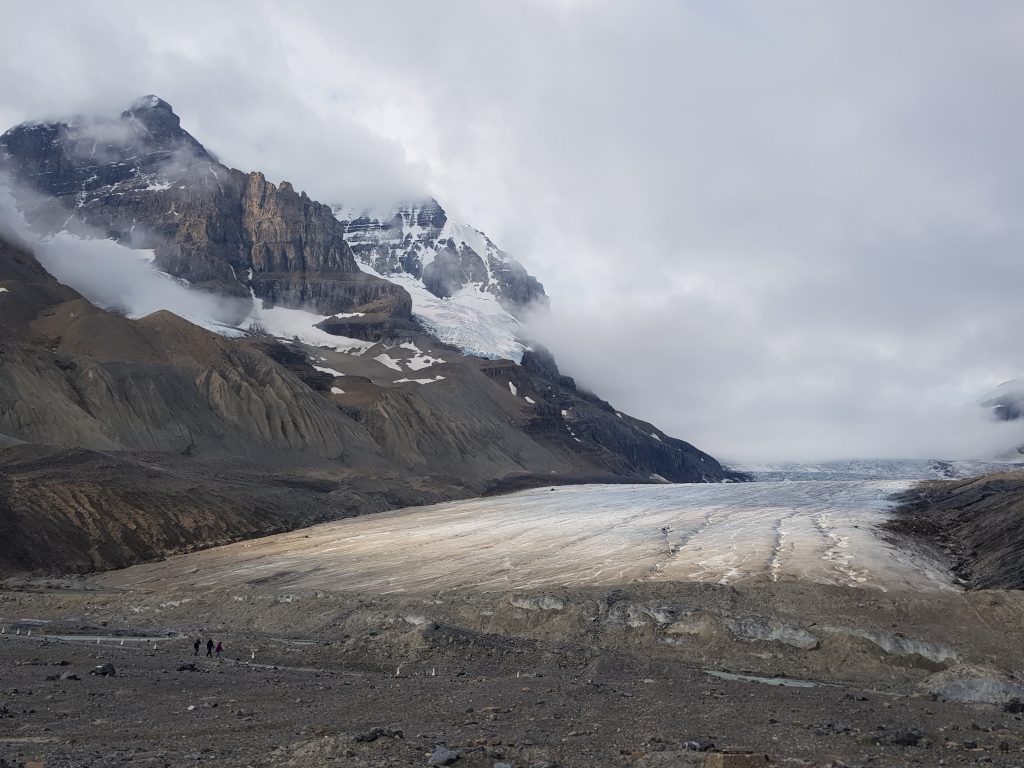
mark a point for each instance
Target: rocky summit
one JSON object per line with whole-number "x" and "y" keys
{"x": 142, "y": 180}
{"x": 369, "y": 362}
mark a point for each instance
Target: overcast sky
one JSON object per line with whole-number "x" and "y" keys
{"x": 777, "y": 230}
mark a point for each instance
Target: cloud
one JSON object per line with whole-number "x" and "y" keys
{"x": 113, "y": 276}
{"x": 778, "y": 231}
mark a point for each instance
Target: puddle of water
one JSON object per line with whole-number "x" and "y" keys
{"x": 786, "y": 682}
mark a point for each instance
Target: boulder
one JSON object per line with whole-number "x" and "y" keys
{"x": 443, "y": 756}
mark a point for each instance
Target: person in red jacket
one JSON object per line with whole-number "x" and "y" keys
{"x": 219, "y": 649}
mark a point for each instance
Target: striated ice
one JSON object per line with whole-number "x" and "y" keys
{"x": 821, "y": 532}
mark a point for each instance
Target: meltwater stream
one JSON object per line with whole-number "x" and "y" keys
{"x": 823, "y": 531}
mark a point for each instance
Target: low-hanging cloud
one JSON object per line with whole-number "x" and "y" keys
{"x": 113, "y": 276}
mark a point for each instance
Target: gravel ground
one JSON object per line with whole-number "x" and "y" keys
{"x": 592, "y": 677}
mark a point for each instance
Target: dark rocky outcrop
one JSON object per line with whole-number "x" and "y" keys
{"x": 978, "y": 521}
{"x": 585, "y": 424}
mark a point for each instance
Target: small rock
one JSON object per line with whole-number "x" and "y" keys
{"x": 69, "y": 676}
{"x": 699, "y": 745}
{"x": 901, "y": 738}
{"x": 106, "y": 669}
{"x": 375, "y": 733}
{"x": 443, "y": 756}
{"x": 1014, "y": 706}
{"x": 186, "y": 666}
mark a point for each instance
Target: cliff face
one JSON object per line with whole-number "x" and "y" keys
{"x": 142, "y": 180}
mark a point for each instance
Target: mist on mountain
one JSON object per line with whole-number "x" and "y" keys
{"x": 111, "y": 275}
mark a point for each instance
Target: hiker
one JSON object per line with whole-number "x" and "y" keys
{"x": 209, "y": 647}
{"x": 219, "y": 648}
{"x": 195, "y": 645}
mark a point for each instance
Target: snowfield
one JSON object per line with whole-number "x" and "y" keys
{"x": 821, "y": 532}
{"x": 471, "y": 320}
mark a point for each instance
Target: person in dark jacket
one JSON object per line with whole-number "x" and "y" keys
{"x": 219, "y": 649}
{"x": 209, "y": 647}
{"x": 195, "y": 646}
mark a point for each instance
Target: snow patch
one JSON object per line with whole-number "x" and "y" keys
{"x": 337, "y": 391}
{"x": 530, "y": 400}
{"x": 390, "y": 362}
{"x": 419, "y": 381}
{"x": 331, "y": 371}
{"x": 512, "y": 388}
{"x": 422, "y": 361}
{"x": 300, "y": 324}
{"x": 471, "y": 319}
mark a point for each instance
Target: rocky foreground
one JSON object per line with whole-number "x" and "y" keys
{"x": 645, "y": 675}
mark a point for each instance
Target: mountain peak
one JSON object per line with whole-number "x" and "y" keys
{"x": 149, "y": 102}
{"x": 161, "y": 123}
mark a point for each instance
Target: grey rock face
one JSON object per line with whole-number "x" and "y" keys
{"x": 139, "y": 178}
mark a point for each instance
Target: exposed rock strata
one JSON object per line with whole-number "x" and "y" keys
{"x": 141, "y": 179}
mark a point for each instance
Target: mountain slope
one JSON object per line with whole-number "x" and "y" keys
{"x": 76, "y": 375}
{"x": 332, "y": 375}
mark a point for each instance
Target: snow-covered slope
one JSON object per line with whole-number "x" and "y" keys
{"x": 471, "y": 318}
{"x": 465, "y": 289}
